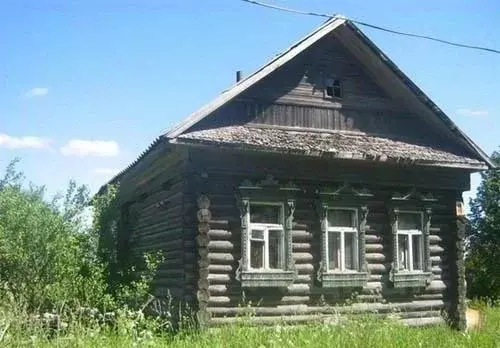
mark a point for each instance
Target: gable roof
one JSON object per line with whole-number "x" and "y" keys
{"x": 328, "y": 27}
{"x": 376, "y": 60}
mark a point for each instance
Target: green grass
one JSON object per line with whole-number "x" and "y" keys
{"x": 358, "y": 333}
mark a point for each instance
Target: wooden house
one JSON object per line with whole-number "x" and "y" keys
{"x": 324, "y": 183}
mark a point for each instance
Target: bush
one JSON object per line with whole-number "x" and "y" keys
{"x": 46, "y": 259}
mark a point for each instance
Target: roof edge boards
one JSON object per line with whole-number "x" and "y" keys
{"x": 423, "y": 97}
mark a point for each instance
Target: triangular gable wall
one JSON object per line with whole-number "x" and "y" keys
{"x": 404, "y": 107}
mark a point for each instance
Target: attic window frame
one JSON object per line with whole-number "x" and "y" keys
{"x": 336, "y": 86}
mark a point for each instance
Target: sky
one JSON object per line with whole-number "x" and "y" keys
{"x": 86, "y": 86}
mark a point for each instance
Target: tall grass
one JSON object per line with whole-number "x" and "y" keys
{"x": 130, "y": 331}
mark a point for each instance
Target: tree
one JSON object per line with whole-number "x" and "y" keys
{"x": 483, "y": 237}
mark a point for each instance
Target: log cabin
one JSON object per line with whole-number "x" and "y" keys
{"x": 324, "y": 184}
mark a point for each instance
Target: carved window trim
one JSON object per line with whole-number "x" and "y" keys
{"x": 410, "y": 278}
{"x": 343, "y": 197}
{"x": 267, "y": 191}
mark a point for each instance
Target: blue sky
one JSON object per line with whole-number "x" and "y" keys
{"x": 85, "y": 86}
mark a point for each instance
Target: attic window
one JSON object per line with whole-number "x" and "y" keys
{"x": 333, "y": 88}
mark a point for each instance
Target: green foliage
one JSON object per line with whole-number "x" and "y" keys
{"x": 483, "y": 271}
{"x": 51, "y": 258}
{"x": 44, "y": 260}
{"x": 132, "y": 329}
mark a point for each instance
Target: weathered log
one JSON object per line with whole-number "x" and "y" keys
{"x": 303, "y": 278}
{"x": 202, "y": 296}
{"x": 300, "y": 235}
{"x": 356, "y": 308}
{"x": 434, "y": 296}
{"x": 202, "y": 240}
{"x": 436, "y": 260}
{"x": 436, "y": 249}
{"x": 219, "y": 278}
{"x": 220, "y": 245}
{"x": 304, "y": 268}
{"x": 294, "y": 299}
{"x": 374, "y": 248}
{"x": 376, "y": 268}
{"x": 219, "y": 224}
{"x": 436, "y": 286}
{"x": 204, "y": 215}
{"x": 214, "y": 234}
{"x": 213, "y": 268}
{"x": 301, "y": 246}
{"x": 375, "y": 257}
{"x": 302, "y": 257}
{"x": 435, "y": 239}
{"x": 220, "y": 258}
{"x": 371, "y": 238}
{"x": 218, "y": 300}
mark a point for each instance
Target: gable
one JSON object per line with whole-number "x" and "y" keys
{"x": 378, "y": 100}
{"x": 295, "y": 96}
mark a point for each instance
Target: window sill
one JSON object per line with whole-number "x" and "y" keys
{"x": 343, "y": 279}
{"x": 406, "y": 279}
{"x": 267, "y": 278}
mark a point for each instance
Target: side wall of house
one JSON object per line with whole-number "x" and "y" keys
{"x": 157, "y": 206}
{"x": 305, "y": 300}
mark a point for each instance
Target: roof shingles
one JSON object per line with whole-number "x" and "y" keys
{"x": 346, "y": 145}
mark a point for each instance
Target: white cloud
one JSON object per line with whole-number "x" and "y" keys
{"x": 26, "y": 142}
{"x": 37, "y": 92}
{"x": 472, "y": 112}
{"x": 83, "y": 148}
{"x": 105, "y": 171}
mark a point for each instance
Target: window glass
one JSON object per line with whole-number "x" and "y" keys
{"x": 350, "y": 251}
{"x": 409, "y": 221}
{"x": 403, "y": 252}
{"x": 417, "y": 251}
{"x": 341, "y": 218}
{"x": 257, "y": 234}
{"x": 333, "y": 88}
{"x": 333, "y": 251}
{"x": 275, "y": 249}
{"x": 265, "y": 214}
{"x": 256, "y": 254}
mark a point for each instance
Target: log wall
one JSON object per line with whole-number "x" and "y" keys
{"x": 158, "y": 222}
{"x": 305, "y": 299}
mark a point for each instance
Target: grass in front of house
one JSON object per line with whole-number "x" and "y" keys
{"x": 364, "y": 332}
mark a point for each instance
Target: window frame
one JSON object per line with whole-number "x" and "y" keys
{"x": 411, "y": 278}
{"x": 266, "y": 191}
{"x": 341, "y": 197}
{"x": 410, "y": 233}
{"x": 342, "y": 230}
{"x": 329, "y": 82}
{"x": 265, "y": 227}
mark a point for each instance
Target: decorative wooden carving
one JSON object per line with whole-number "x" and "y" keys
{"x": 413, "y": 194}
{"x": 427, "y": 247}
{"x": 290, "y": 210}
{"x": 346, "y": 189}
{"x": 267, "y": 189}
{"x": 342, "y": 279}
{"x": 363, "y": 215}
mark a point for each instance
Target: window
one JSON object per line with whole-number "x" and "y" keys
{"x": 411, "y": 265}
{"x": 410, "y": 241}
{"x": 266, "y": 237}
{"x": 342, "y": 240}
{"x": 333, "y": 88}
{"x": 343, "y": 245}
